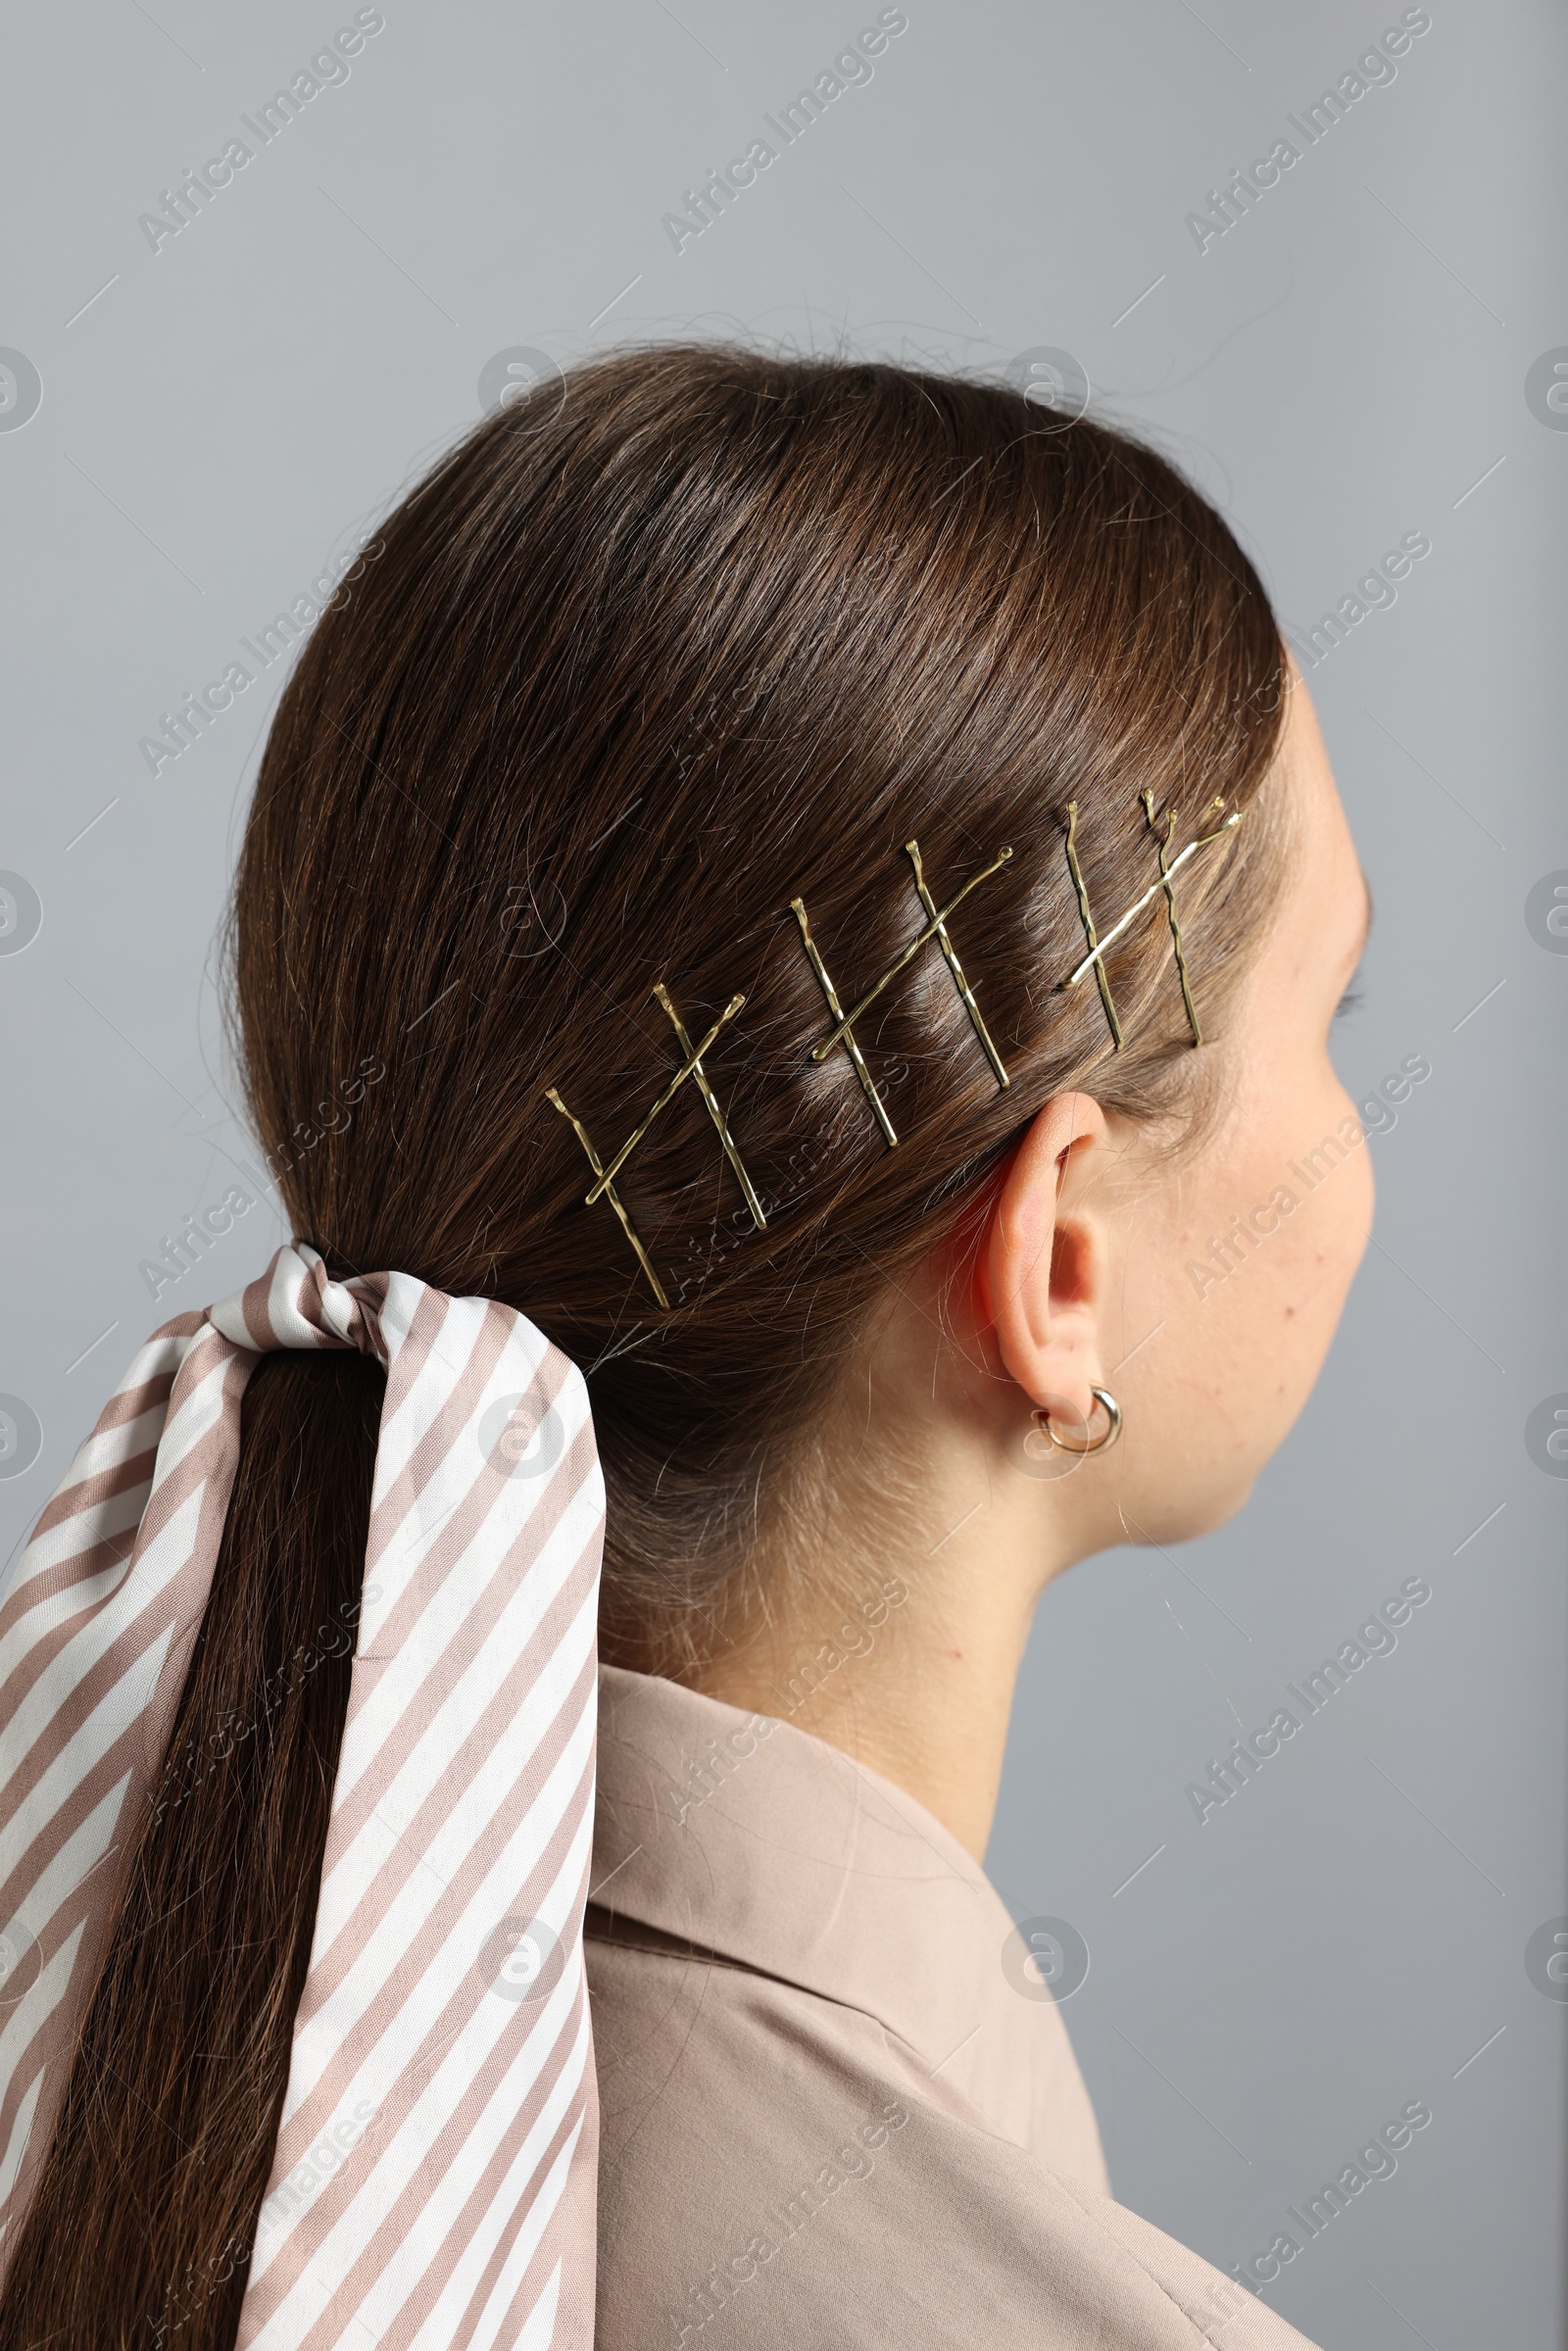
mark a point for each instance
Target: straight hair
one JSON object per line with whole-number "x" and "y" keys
{"x": 652, "y": 653}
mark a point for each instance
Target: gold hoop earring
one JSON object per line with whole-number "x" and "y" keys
{"x": 1100, "y": 1444}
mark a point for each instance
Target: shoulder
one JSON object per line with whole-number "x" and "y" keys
{"x": 779, "y": 2170}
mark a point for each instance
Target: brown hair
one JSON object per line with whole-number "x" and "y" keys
{"x": 650, "y": 655}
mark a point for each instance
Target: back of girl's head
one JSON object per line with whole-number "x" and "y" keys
{"x": 643, "y": 662}
{"x": 650, "y": 656}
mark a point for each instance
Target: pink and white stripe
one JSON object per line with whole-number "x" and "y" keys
{"x": 434, "y": 2184}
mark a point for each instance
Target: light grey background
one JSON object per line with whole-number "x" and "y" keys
{"x": 1345, "y": 365}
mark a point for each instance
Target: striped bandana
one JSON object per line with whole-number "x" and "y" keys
{"x": 434, "y": 2184}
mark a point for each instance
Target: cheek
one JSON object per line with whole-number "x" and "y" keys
{"x": 1328, "y": 1234}
{"x": 1284, "y": 1310}
{"x": 1249, "y": 1280}
{"x": 1318, "y": 1249}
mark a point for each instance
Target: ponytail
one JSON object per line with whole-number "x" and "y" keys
{"x": 141, "y": 2225}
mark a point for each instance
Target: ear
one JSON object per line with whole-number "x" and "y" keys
{"x": 1043, "y": 1262}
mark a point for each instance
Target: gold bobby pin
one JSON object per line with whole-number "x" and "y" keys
{"x": 935, "y": 928}
{"x": 1088, "y": 921}
{"x": 604, "y": 1185}
{"x": 1166, "y": 872}
{"x": 1099, "y": 948}
{"x": 612, "y": 1195}
{"x": 837, "y": 1010}
{"x": 912, "y": 852}
{"x": 694, "y": 1064}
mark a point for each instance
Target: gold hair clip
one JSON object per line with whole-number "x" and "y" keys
{"x": 1169, "y": 866}
{"x": 1162, "y": 850}
{"x": 936, "y": 927}
{"x": 1088, "y": 921}
{"x": 604, "y": 1185}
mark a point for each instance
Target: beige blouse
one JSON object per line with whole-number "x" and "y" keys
{"x": 830, "y": 2122}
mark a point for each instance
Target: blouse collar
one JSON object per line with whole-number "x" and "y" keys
{"x": 744, "y": 1838}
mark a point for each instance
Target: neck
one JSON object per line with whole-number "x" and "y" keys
{"x": 908, "y": 1663}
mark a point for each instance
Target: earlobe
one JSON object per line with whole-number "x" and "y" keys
{"x": 1043, "y": 1260}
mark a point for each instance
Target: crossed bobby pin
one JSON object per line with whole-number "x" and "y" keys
{"x": 843, "y": 1030}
